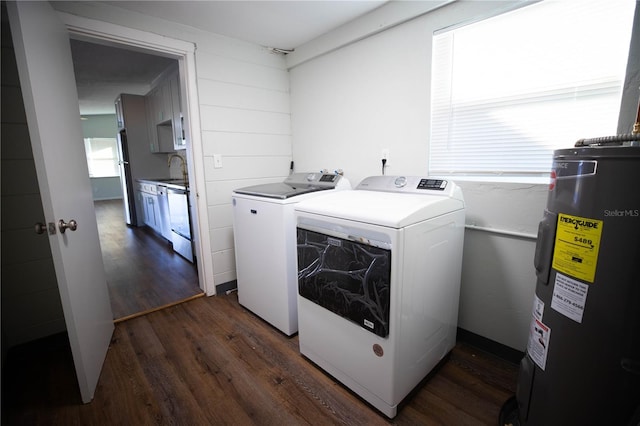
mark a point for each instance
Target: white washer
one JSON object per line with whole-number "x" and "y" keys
{"x": 265, "y": 244}
{"x": 379, "y": 283}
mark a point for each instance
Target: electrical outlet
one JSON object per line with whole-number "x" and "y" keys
{"x": 217, "y": 161}
{"x": 385, "y": 154}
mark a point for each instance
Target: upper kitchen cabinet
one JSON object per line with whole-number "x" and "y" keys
{"x": 158, "y": 122}
{"x": 179, "y": 141}
{"x": 164, "y": 114}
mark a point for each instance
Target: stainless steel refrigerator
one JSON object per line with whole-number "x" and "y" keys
{"x": 136, "y": 159}
{"x": 126, "y": 179}
{"x": 582, "y": 364}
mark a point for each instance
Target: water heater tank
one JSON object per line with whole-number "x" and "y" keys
{"x": 582, "y": 364}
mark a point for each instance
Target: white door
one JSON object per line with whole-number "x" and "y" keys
{"x": 43, "y": 56}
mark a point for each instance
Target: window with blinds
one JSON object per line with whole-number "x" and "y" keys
{"x": 509, "y": 90}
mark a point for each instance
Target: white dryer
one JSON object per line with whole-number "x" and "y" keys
{"x": 265, "y": 244}
{"x": 379, "y": 282}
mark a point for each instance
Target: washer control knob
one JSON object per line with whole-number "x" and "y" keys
{"x": 400, "y": 181}
{"x": 311, "y": 177}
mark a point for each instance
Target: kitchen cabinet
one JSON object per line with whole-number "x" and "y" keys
{"x": 151, "y": 207}
{"x": 166, "y": 211}
{"x": 160, "y": 103}
{"x": 151, "y": 103}
{"x": 159, "y": 120}
{"x": 179, "y": 141}
{"x": 164, "y": 115}
{"x": 164, "y": 107}
{"x": 152, "y": 212}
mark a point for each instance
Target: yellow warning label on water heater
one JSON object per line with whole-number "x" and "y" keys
{"x": 577, "y": 245}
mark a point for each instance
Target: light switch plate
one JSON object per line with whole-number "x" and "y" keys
{"x": 217, "y": 161}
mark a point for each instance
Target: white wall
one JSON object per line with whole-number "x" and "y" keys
{"x": 352, "y": 102}
{"x": 244, "y": 117}
{"x": 99, "y": 126}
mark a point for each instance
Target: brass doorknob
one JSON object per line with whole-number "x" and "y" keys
{"x": 62, "y": 226}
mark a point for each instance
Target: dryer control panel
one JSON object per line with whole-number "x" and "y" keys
{"x": 409, "y": 184}
{"x": 436, "y": 184}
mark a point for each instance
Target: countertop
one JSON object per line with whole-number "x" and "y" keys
{"x": 168, "y": 182}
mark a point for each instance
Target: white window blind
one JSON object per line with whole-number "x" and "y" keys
{"x": 102, "y": 157}
{"x": 509, "y": 90}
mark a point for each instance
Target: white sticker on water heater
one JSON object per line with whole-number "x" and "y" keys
{"x": 569, "y": 297}
{"x": 538, "y": 344}
{"x": 538, "y": 307}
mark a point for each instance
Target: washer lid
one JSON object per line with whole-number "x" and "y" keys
{"x": 294, "y": 184}
{"x": 279, "y": 190}
{"x": 391, "y": 209}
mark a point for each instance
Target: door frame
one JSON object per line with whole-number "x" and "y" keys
{"x": 101, "y": 32}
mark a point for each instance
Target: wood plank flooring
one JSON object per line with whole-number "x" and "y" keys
{"x": 143, "y": 272}
{"x": 210, "y": 361}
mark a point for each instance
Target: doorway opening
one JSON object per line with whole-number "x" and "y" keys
{"x": 143, "y": 271}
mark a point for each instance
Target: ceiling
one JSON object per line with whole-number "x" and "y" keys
{"x": 103, "y": 72}
{"x": 282, "y": 24}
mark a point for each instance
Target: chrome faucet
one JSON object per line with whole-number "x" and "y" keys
{"x": 183, "y": 166}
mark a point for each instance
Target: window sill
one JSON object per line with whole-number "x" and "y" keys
{"x": 536, "y": 180}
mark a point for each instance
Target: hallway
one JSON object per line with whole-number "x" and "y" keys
{"x": 143, "y": 272}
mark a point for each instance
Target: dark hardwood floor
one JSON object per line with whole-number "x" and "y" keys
{"x": 143, "y": 272}
{"x": 209, "y": 361}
